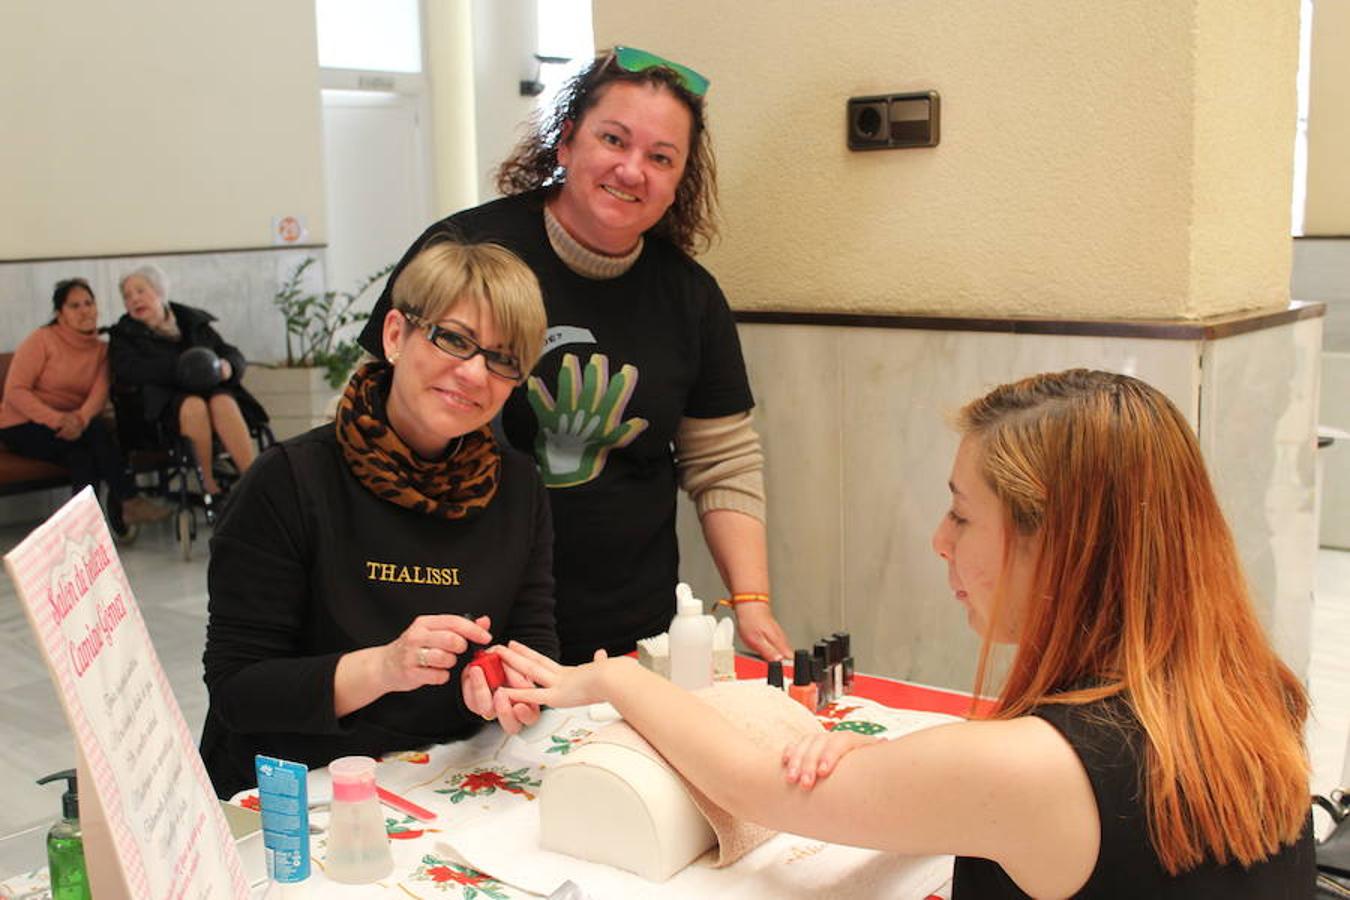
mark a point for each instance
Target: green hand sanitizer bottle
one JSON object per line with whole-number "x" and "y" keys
{"x": 65, "y": 844}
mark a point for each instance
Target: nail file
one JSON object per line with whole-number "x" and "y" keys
{"x": 403, "y": 805}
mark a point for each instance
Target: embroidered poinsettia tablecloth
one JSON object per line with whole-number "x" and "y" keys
{"x": 494, "y": 777}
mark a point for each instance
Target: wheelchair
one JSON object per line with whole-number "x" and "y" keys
{"x": 152, "y": 448}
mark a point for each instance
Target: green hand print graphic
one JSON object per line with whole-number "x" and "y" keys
{"x": 580, "y": 427}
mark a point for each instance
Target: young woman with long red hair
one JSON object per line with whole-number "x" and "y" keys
{"x": 1147, "y": 741}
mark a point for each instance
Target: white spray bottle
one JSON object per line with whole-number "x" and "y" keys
{"x": 691, "y": 641}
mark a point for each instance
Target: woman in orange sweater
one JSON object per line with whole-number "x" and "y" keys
{"x": 55, "y": 390}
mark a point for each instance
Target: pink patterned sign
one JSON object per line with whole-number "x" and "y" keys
{"x": 153, "y": 827}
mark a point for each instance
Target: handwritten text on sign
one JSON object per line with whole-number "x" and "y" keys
{"x": 66, "y": 594}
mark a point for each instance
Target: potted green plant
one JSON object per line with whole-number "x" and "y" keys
{"x": 321, "y": 350}
{"x": 317, "y": 332}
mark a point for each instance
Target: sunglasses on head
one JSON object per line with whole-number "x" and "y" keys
{"x": 631, "y": 59}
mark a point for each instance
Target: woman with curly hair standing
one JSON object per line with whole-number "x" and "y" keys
{"x": 642, "y": 387}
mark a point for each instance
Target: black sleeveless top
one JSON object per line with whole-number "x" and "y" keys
{"x": 1109, "y": 742}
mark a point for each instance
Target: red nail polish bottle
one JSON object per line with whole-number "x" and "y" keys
{"x": 491, "y": 664}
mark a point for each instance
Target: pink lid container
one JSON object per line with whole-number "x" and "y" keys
{"x": 353, "y": 779}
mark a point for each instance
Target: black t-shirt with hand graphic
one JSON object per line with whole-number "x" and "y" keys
{"x": 625, "y": 359}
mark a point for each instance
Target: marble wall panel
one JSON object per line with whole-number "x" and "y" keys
{"x": 1321, "y": 271}
{"x": 237, "y": 287}
{"x": 900, "y": 389}
{"x": 1335, "y": 460}
{"x": 794, "y": 371}
{"x": 1259, "y": 405}
{"x": 854, "y": 423}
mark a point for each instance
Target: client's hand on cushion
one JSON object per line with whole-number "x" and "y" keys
{"x": 814, "y": 757}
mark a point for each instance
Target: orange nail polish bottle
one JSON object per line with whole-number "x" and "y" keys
{"x": 803, "y": 688}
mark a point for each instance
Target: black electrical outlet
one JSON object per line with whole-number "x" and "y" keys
{"x": 893, "y": 121}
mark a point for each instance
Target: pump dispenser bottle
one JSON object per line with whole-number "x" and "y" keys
{"x": 691, "y": 641}
{"x": 65, "y": 844}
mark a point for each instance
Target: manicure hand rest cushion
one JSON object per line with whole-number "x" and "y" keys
{"x": 615, "y": 800}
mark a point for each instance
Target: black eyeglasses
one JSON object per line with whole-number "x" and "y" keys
{"x": 461, "y": 346}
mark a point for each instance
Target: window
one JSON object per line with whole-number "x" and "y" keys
{"x": 371, "y": 35}
{"x": 564, "y": 31}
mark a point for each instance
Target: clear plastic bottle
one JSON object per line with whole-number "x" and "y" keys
{"x": 65, "y": 844}
{"x": 358, "y": 846}
{"x": 691, "y": 641}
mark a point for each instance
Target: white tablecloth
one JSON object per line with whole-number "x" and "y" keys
{"x": 484, "y": 843}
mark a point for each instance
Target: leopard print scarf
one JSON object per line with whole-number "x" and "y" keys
{"x": 458, "y": 485}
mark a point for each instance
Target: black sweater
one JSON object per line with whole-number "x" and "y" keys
{"x": 307, "y": 565}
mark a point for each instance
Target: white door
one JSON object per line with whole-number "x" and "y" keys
{"x": 378, "y": 181}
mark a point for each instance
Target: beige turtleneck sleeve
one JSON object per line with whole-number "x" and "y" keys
{"x": 721, "y": 465}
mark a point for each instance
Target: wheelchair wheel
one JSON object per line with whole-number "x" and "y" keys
{"x": 185, "y": 530}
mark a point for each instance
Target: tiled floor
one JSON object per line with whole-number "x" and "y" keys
{"x": 172, "y": 596}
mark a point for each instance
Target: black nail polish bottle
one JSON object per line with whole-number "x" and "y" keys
{"x": 776, "y": 674}
{"x": 846, "y": 662}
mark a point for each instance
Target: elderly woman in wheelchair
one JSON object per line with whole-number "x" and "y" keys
{"x": 185, "y": 377}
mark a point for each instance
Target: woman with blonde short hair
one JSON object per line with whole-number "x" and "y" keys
{"x": 358, "y": 564}
{"x": 1147, "y": 741}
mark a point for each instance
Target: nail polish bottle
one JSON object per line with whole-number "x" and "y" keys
{"x": 821, "y": 652}
{"x": 822, "y": 683}
{"x": 836, "y": 657}
{"x": 847, "y": 662}
{"x": 776, "y": 674}
{"x": 491, "y": 664}
{"x": 803, "y": 688}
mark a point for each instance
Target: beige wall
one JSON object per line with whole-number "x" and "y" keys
{"x": 1244, "y": 97}
{"x": 150, "y": 126}
{"x": 1328, "y": 205}
{"x": 1118, "y": 160}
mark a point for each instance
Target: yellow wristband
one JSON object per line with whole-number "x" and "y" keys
{"x": 737, "y": 599}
